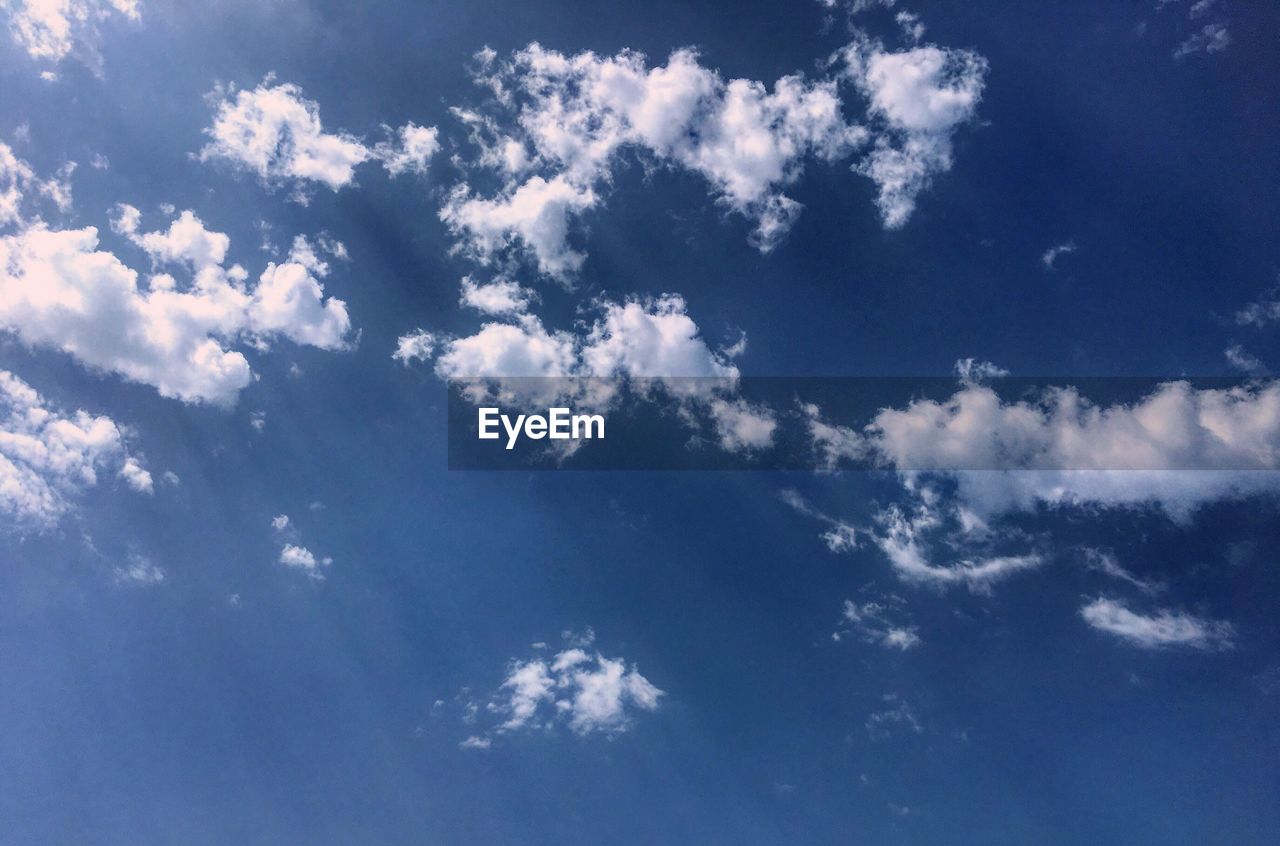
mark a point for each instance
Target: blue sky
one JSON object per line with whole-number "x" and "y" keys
{"x": 242, "y": 598}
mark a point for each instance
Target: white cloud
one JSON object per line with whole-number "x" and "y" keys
{"x": 275, "y": 132}
{"x": 1177, "y": 447}
{"x": 1104, "y": 561}
{"x": 576, "y": 114}
{"x": 280, "y": 522}
{"x": 742, "y": 426}
{"x": 878, "y": 622}
{"x": 48, "y": 456}
{"x": 410, "y": 151}
{"x": 415, "y": 346}
{"x": 301, "y": 558}
{"x": 583, "y": 690}
{"x": 58, "y": 289}
{"x": 1213, "y": 38}
{"x": 1051, "y": 255}
{"x": 50, "y": 30}
{"x": 20, "y": 188}
{"x": 1261, "y": 313}
{"x": 1244, "y": 361}
{"x": 921, "y": 96}
{"x": 1165, "y": 628}
{"x": 139, "y": 572}
{"x": 501, "y": 296}
{"x": 534, "y": 215}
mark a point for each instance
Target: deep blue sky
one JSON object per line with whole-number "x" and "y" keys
{"x": 304, "y": 711}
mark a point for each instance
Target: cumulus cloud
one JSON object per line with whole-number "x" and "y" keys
{"x": 418, "y": 345}
{"x": 919, "y": 97}
{"x": 577, "y": 688}
{"x": 293, "y": 554}
{"x": 1176, "y": 448}
{"x": 275, "y": 132}
{"x": 1164, "y": 628}
{"x": 51, "y": 30}
{"x": 48, "y": 456}
{"x": 20, "y": 189}
{"x": 501, "y": 296}
{"x": 567, "y": 120}
{"x": 58, "y": 289}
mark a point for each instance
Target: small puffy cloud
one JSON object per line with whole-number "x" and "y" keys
{"x": 301, "y": 558}
{"x": 58, "y": 289}
{"x": 920, "y": 97}
{"x": 415, "y": 346}
{"x": 742, "y": 426}
{"x": 1261, "y": 313}
{"x": 577, "y": 687}
{"x": 533, "y": 216}
{"x": 501, "y": 296}
{"x": 275, "y": 132}
{"x": 48, "y": 456}
{"x": 526, "y": 348}
{"x": 136, "y": 476}
{"x": 1164, "y": 628}
{"x": 280, "y": 522}
{"x": 51, "y": 30}
{"x": 410, "y": 151}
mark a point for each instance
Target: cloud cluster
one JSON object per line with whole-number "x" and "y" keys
{"x": 579, "y": 688}
{"x": 48, "y": 456}
{"x": 565, "y": 121}
{"x": 58, "y": 289}
{"x": 275, "y": 132}
{"x": 877, "y": 622}
{"x": 293, "y": 554}
{"x": 1176, "y": 448}
{"x": 50, "y": 30}
{"x": 20, "y": 188}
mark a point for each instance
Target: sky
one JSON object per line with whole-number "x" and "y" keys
{"x": 245, "y": 246}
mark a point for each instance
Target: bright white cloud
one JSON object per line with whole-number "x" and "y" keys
{"x": 583, "y": 690}
{"x": 576, "y": 114}
{"x": 920, "y": 96}
{"x": 410, "y": 151}
{"x": 50, "y": 30}
{"x": 275, "y": 132}
{"x": 418, "y": 345}
{"x": 1164, "y": 628}
{"x": 301, "y": 558}
{"x": 58, "y": 289}
{"x": 20, "y": 188}
{"x": 48, "y": 456}
{"x": 501, "y": 296}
